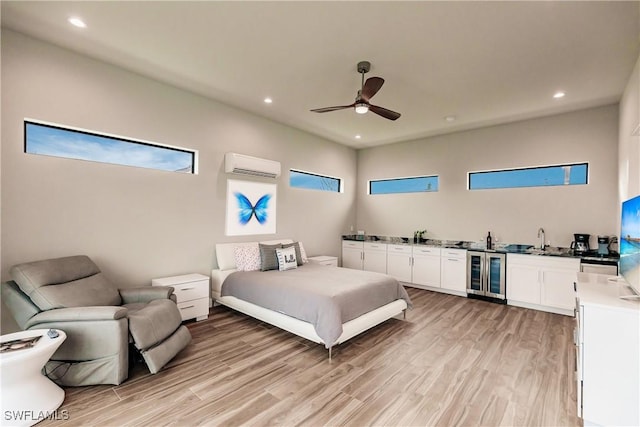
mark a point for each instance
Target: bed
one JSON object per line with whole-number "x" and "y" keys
{"x": 287, "y": 304}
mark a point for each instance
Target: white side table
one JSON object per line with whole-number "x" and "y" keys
{"x": 324, "y": 260}
{"x": 27, "y": 395}
{"x": 192, "y": 294}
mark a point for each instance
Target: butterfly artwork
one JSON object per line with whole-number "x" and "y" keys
{"x": 247, "y": 210}
{"x": 251, "y": 208}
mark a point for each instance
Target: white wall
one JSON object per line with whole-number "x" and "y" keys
{"x": 135, "y": 223}
{"x": 512, "y": 215}
{"x": 629, "y": 145}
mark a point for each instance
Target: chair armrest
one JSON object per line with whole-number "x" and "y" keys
{"x": 145, "y": 294}
{"x": 75, "y": 314}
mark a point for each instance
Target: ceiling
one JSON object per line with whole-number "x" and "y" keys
{"x": 483, "y": 63}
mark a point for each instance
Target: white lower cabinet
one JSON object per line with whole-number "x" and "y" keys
{"x": 607, "y": 353}
{"x": 542, "y": 282}
{"x": 192, "y": 294}
{"x": 453, "y": 270}
{"x": 375, "y": 257}
{"x": 399, "y": 262}
{"x": 426, "y": 266}
{"x": 352, "y": 254}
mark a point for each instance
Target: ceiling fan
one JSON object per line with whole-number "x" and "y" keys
{"x": 368, "y": 89}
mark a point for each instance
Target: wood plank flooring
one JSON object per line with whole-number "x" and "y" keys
{"x": 452, "y": 362}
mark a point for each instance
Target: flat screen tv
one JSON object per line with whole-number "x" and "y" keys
{"x": 630, "y": 243}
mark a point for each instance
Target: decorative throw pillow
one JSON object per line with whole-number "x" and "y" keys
{"x": 295, "y": 245}
{"x": 247, "y": 258}
{"x": 287, "y": 258}
{"x": 303, "y": 253}
{"x": 268, "y": 257}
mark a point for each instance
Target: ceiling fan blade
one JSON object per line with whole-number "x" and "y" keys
{"x": 371, "y": 87}
{"x": 327, "y": 109}
{"x": 387, "y": 114}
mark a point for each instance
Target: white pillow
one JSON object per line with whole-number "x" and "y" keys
{"x": 247, "y": 258}
{"x": 303, "y": 253}
{"x": 287, "y": 258}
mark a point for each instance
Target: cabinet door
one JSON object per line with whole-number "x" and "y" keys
{"x": 399, "y": 263}
{"x": 454, "y": 273}
{"x": 557, "y": 288}
{"x": 426, "y": 270}
{"x": 523, "y": 283}
{"x": 352, "y": 258}
{"x": 375, "y": 260}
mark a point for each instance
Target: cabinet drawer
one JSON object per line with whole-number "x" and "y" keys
{"x": 399, "y": 249}
{"x": 198, "y": 308}
{"x": 192, "y": 290}
{"x": 378, "y": 247}
{"x": 454, "y": 253}
{"x": 425, "y": 251}
{"x": 352, "y": 244}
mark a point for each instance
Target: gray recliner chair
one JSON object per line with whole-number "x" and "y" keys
{"x": 72, "y": 294}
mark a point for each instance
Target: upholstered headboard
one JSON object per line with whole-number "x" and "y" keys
{"x": 225, "y": 252}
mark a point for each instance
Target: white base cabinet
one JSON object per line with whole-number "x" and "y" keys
{"x": 399, "y": 262}
{"x": 352, "y": 254}
{"x": 542, "y": 282}
{"x": 426, "y": 266}
{"x": 607, "y": 352}
{"x": 453, "y": 271}
{"x": 375, "y": 257}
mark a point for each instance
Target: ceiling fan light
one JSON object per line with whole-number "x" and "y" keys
{"x": 362, "y": 108}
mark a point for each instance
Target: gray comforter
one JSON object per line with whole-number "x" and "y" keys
{"x": 324, "y": 296}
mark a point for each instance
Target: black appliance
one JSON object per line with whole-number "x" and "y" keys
{"x": 581, "y": 243}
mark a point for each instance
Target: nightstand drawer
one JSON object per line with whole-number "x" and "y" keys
{"x": 191, "y": 290}
{"x": 324, "y": 260}
{"x": 198, "y": 308}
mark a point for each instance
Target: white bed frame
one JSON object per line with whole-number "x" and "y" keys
{"x": 227, "y": 265}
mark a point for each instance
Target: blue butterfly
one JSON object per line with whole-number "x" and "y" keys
{"x": 247, "y": 210}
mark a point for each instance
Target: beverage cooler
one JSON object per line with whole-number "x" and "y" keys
{"x": 486, "y": 275}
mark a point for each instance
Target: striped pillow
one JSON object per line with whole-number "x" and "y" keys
{"x": 268, "y": 257}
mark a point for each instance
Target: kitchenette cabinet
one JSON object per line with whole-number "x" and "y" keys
{"x": 375, "y": 257}
{"x": 542, "y": 282}
{"x": 426, "y": 266}
{"x": 607, "y": 339}
{"x": 399, "y": 262}
{"x": 352, "y": 254}
{"x": 453, "y": 270}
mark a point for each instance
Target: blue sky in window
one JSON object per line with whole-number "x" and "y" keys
{"x": 405, "y": 185}
{"x": 51, "y": 141}
{"x": 313, "y": 182}
{"x": 533, "y": 177}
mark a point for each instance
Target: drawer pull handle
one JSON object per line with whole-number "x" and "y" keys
{"x": 185, "y": 289}
{"x": 451, "y": 259}
{"x": 189, "y": 306}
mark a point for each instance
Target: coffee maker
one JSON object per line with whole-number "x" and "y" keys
{"x": 581, "y": 243}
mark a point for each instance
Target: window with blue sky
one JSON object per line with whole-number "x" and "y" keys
{"x": 312, "y": 181}
{"x": 416, "y": 184}
{"x": 58, "y": 141}
{"x": 541, "y": 176}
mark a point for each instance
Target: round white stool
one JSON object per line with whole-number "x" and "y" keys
{"x": 27, "y": 395}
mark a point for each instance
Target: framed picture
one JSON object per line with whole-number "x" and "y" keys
{"x": 251, "y": 208}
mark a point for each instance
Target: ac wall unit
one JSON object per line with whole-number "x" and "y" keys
{"x": 247, "y": 165}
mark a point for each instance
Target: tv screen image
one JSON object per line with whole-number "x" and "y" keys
{"x": 630, "y": 242}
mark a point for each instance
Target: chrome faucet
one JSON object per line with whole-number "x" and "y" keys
{"x": 541, "y": 237}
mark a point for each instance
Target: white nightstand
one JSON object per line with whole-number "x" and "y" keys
{"x": 324, "y": 260}
{"x": 192, "y": 293}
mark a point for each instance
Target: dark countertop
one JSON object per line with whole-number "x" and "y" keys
{"x": 479, "y": 246}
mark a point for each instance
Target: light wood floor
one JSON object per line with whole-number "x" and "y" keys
{"x": 454, "y": 361}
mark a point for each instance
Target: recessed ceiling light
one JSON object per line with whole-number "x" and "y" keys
{"x": 559, "y": 95}
{"x": 358, "y": 137}
{"x": 450, "y": 118}
{"x": 268, "y": 100}
{"x": 77, "y": 22}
